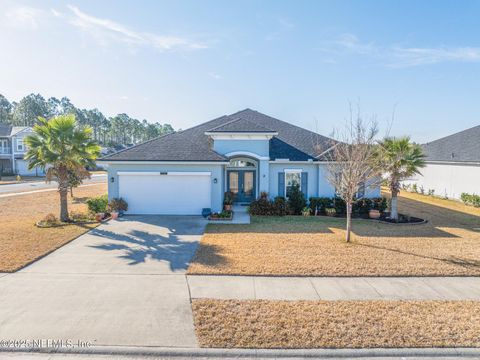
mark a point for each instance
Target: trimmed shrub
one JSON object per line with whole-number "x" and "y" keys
{"x": 280, "y": 206}
{"x": 262, "y": 206}
{"x": 339, "y": 205}
{"x": 320, "y": 204}
{"x": 117, "y": 204}
{"x": 296, "y": 200}
{"x": 470, "y": 199}
{"x": 97, "y": 204}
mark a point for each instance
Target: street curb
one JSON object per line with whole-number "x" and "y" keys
{"x": 255, "y": 353}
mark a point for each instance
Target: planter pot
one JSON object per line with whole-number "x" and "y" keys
{"x": 114, "y": 215}
{"x": 99, "y": 216}
{"x": 374, "y": 214}
{"x": 227, "y": 207}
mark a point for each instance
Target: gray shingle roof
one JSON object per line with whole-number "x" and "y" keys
{"x": 240, "y": 125}
{"x": 192, "y": 144}
{"x": 5, "y": 129}
{"x": 463, "y": 146}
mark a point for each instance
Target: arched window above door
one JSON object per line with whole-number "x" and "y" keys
{"x": 242, "y": 163}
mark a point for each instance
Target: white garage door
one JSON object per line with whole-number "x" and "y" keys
{"x": 172, "y": 193}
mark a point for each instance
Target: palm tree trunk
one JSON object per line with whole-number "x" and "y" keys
{"x": 63, "y": 190}
{"x": 349, "y": 221}
{"x": 393, "y": 202}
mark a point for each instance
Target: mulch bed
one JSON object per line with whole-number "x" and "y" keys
{"x": 336, "y": 324}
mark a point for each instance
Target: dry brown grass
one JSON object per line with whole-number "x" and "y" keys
{"x": 449, "y": 244}
{"x": 21, "y": 241}
{"x": 336, "y": 324}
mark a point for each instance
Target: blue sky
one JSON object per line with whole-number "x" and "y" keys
{"x": 185, "y": 62}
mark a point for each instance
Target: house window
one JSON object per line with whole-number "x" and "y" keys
{"x": 20, "y": 146}
{"x": 292, "y": 177}
{"x": 3, "y": 146}
{"x": 241, "y": 163}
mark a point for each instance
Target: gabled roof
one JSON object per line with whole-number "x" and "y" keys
{"x": 5, "y": 130}
{"x": 193, "y": 144}
{"x": 240, "y": 125}
{"x": 19, "y": 129}
{"x": 463, "y": 146}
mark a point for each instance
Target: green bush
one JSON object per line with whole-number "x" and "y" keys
{"x": 296, "y": 200}
{"x": 470, "y": 199}
{"x": 98, "y": 204}
{"x": 262, "y": 206}
{"x": 280, "y": 206}
{"x": 320, "y": 204}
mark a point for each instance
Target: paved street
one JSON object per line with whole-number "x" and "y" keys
{"x": 42, "y": 185}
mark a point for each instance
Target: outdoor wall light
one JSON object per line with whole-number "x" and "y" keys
{"x": 112, "y": 179}
{"x": 215, "y": 180}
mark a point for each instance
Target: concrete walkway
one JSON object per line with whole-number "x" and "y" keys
{"x": 240, "y": 216}
{"x": 334, "y": 288}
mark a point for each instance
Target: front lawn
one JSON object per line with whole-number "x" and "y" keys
{"x": 449, "y": 244}
{"x": 336, "y": 324}
{"x": 21, "y": 241}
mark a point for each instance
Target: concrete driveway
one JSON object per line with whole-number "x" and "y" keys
{"x": 122, "y": 283}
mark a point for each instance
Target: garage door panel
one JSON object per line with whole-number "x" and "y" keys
{"x": 165, "y": 194}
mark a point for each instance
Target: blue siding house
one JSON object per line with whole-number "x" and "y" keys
{"x": 245, "y": 153}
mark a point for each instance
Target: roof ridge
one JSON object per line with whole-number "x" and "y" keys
{"x": 142, "y": 143}
{"x": 227, "y": 123}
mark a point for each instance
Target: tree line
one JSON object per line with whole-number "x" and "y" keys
{"x": 117, "y": 131}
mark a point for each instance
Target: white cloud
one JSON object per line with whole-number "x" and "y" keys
{"x": 106, "y": 31}
{"x": 23, "y": 17}
{"x": 215, "y": 76}
{"x": 397, "y": 56}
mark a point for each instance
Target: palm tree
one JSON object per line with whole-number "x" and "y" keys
{"x": 398, "y": 159}
{"x": 59, "y": 146}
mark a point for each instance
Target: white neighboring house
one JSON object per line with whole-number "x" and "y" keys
{"x": 13, "y": 149}
{"x": 452, "y": 165}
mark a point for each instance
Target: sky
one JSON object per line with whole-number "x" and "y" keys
{"x": 412, "y": 65}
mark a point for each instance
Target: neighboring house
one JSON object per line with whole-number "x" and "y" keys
{"x": 12, "y": 150}
{"x": 452, "y": 165}
{"x": 245, "y": 153}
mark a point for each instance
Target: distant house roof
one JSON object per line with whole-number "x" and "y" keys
{"x": 463, "y": 146}
{"x": 5, "y": 129}
{"x": 18, "y": 129}
{"x": 193, "y": 144}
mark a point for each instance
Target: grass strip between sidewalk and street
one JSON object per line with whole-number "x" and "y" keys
{"x": 336, "y": 324}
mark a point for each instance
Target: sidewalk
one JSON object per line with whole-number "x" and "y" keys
{"x": 334, "y": 288}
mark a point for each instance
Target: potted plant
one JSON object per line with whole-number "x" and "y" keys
{"x": 374, "y": 214}
{"x": 117, "y": 207}
{"x": 98, "y": 206}
{"x": 228, "y": 201}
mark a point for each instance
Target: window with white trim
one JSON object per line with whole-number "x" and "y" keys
{"x": 20, "y": 145}
{"x": 292, "y": 177}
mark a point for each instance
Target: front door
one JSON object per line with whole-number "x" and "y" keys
{"x": 242, "y": 184}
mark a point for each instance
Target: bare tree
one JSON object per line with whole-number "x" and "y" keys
{"x": 350, "y": 162}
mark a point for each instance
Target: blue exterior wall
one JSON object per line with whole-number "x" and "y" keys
{"x": 325, "y": 189}
{"x": 311, "y": 169}
{"x": 216, "y": 170}
{"x": 259, "y": 147}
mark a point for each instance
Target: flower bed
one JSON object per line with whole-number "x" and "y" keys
{"x": 224, "y": 215}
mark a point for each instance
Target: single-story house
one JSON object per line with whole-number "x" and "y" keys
{"x": 452, "y": 165}
{"x": 13, "y": 149}
{"x": 246, "y": 153}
